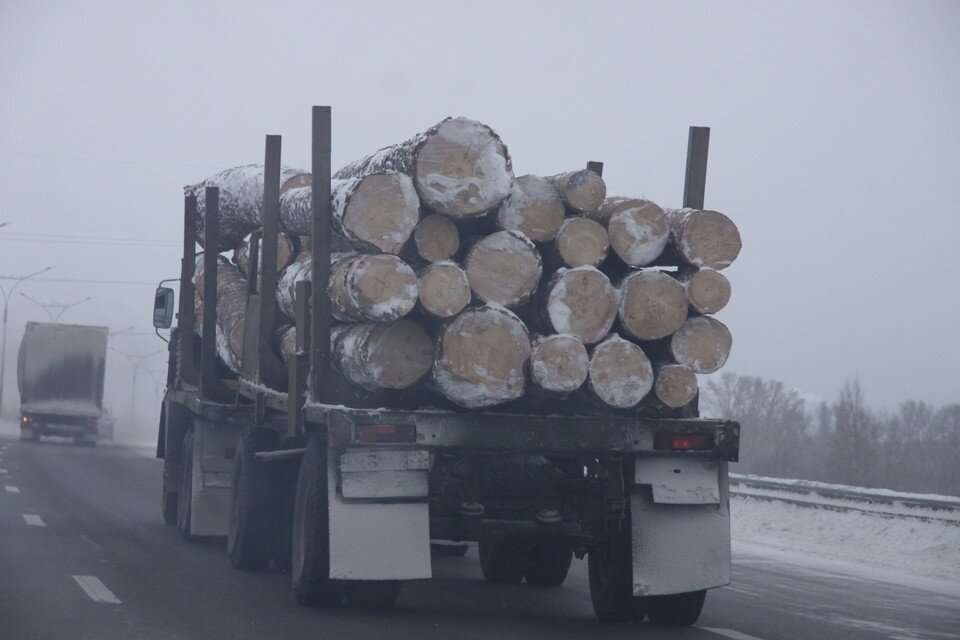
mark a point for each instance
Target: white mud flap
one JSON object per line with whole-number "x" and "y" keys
{"x": 680, "y": 519}
{"x": 212, "y": 478}
{"x": 385, "y": 540}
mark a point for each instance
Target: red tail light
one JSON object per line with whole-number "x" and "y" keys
{"x": 682, "y": 441}
{"x": 90, "y": 423}
{"x": 386, "y": 433}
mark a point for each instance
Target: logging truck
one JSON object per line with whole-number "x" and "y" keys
{"x": 307, "y": 463}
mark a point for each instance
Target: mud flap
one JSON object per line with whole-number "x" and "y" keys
{"x": 212, "y": 478}
{"x": 680, "y": 545}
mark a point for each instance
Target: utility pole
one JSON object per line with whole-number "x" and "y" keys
{"x": 54, "y": 305}
{"x": 136, "y": 361}
{"x": 3, "y": 339}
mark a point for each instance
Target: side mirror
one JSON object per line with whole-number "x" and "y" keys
{"x": 163, "y": 308}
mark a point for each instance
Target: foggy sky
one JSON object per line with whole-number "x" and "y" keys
{"x": 834, "y": 146}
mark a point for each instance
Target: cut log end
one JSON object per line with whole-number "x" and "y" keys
{"x": 652, "y": 305}
{"x": 504, "y": 268}
{"x": 581, "y": 302}
{"x": 704, "y": 238}
{"x": 582, "y": 191}
{"x": 708, "y": 291}
{"x": 534, "y": 208}
{"x": 377, "y": 287}
{"x": 436, "y": 238}
{"x": 378, "y": 211}
{"x": 638, "y": 230}
{"x": 582, "y": 242}
{"x": 676, "y": 385}
{"x": 241, "y": 255}
{"x": 620, "y": 373}
{"x": 558, "y": 363}
{"x": 443, "y": 289}
{"x": 392, "y": 355}
{"x": 702, "y": 343}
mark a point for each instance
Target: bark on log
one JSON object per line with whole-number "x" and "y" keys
{"x": 231, "y": 311}
{"x": 288, "y": 344}
{"x": 241, "y": 200}
{"x": 620, "y": 373}
{"x": 391, "y": 355}
{"x": 638, "y": 229}
{"x": 708, "y": 291}
{"x": 703, "y": 238}
{"x": 376, "y": 287}
{"x": 582, "y": 191}
{"x": 581, "y": 302}
{"x": 676, "y": 384}
{"x": 534, "y": 208}
{"x": 582, "y": 242}
{"x": 241, "y": 255}
{"x": 377, "y": 212}
{"x": 558, "y": 363}
{"x": 504, "y": 268}
{"x": 702, "y": 343}
{"x": 298, "y": 270}
{"x": 482, "y": 357}
{"x": 436, "y": 238}
{"x": 652, "y": 305}
{"x": 460, "y": 167}
{"x": 443, "y": 289}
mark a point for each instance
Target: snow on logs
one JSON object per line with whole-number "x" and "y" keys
{"x": 436, "y": 238}
{"x": 638, "y": 229}
{"x": 460, "y": 167}
{"x": 703, "y": 238}
{"x": 581, "y": 302}
{"x": 504, "y": 268}
{"x": 702, "y": 343}
{"x": 241, "y": 255}
{"x": 231, "y": 310}
{"x": 620, "y": 373}
{"x": 582, "y": 191}
{"x": 652, "y": 305}
{"x": 376, "y": 287}
{"x": 708, "y": 291}
{"x": 582, "y": 241}
{"x": 534, "y": 208}
{"x": 558, "y": 363}
{"x": 390, "y": 355}
{"x": 443, "y": 289}
{"x": 676, "y": 384}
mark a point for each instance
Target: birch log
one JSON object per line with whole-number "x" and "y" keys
{"x": 638, "y": 229}
{"x": 288, "y": 344}
{"x": 558, "y": 363}
{"x": 460, "y": 167}
{"x": 702, "y": 343}
{"x": 376, "y": 287}
{"x": 652, "y": 305}
{"x": 703, "y": 238}
{"x": 620, "y": 373}
{"x": 504, "y": 268}
{"x": 482, "y": 357}
{"x": 299, "y": 269}
{"x": 376, "y": 212}
{"x": 676, "y": 384}
{"x": 241, "y": 255}
{"x": 581, "y": 302}
{"x": 582, "y": 242}
{"x": 582, "y": 191}
{"x": 241, "y": 200}
{"x": 391, "y": 355}
{"x": 708, "y": 291}
{"x": 231, "y": 311}
{"x": 443, "y": 289}
{"x": 436, "y": 238}
{"x": 534, "y": 208}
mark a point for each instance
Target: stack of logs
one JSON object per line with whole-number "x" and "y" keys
{"x": 486, "y": 287}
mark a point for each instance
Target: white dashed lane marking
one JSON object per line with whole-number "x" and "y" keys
{"x": 730, "y": 633}
{"x": 33, "y": 520}
{"x": 11, "y": 489}
{"x": 97, "y": 591}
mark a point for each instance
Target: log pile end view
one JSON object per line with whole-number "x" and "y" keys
{"x": 466, "y": 285}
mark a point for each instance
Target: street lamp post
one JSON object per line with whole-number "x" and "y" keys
{"x": 55, "y": 305}
{"x": 3, "y": 339}
{"x": 136, "y": 361}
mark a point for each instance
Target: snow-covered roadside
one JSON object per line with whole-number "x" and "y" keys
{"x": 853, "y": 543}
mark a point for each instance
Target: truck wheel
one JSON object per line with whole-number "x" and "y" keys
{"x": 310, "y": 568}
{"x": 678, "y": 610}
{"x": 502, "y": 561}
{"x": 611, "y": 579}
{"x": 171, "y": 507}
{"x": 449, "y": 550}
{"x": 28, "y": 435}
{"x": 548, "y": 562}
{"x": 372, "y": 594}
{"x": 186, "y": 487}
{"x": 253, "y": 513}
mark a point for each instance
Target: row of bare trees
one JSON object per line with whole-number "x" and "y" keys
{"x": 915, "y": 448}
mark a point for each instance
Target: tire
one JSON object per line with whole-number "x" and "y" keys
{"x": 186, "y": 487}
{"x": 449, "y": 550}
{"x": 28, "y": 435}
{"x": 611, "y": 579}
{"x": 170, "y": 507}
{"x": 254, "y": 516}
{"x": 372, "y": 594}
{"x": 548, "y": 562}
{"x": 678, "y": 610}
{"x": 310, "y": 566}
{"x": 502, "y": 561}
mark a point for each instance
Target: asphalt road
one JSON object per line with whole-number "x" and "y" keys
{"x": 84, "y": 554}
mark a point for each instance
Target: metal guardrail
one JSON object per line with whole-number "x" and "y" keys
{"x": 822, "y": 495}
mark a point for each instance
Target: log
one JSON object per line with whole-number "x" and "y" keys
{"x": 702, "y": 343}
{"x": 241, "y": 200}
{"x": 638, "y": 229}
{"x": 581, "y": 302}
{"x": 299, "y": 269}
{"x": 534, "y": 208}
{"x": 708, "y": 291}
{"x": 620, "y": 373}
{"x": 231, "y": 311}
{"x": 481, "y": 357}
{"x": 504, "y": 268}
{"x": 460, "y": 167}
{"x": 376, "y": 212}
{"x": 288, "y": 344}
{"x": 703, "y": 238}
{"x": 582, "y": 191}
{"x": 391, "y": 355}
{"x": 558, "y": 363}
{"x": 676, "y": 384}
{"x": 652, "y": 304}
{"x": 436, "y": 238}
{"x": 378, "y": 287}
{"x": 443, "y": 289}
{"x": 241, "y": 255}
{"x": 582, "y": 242}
